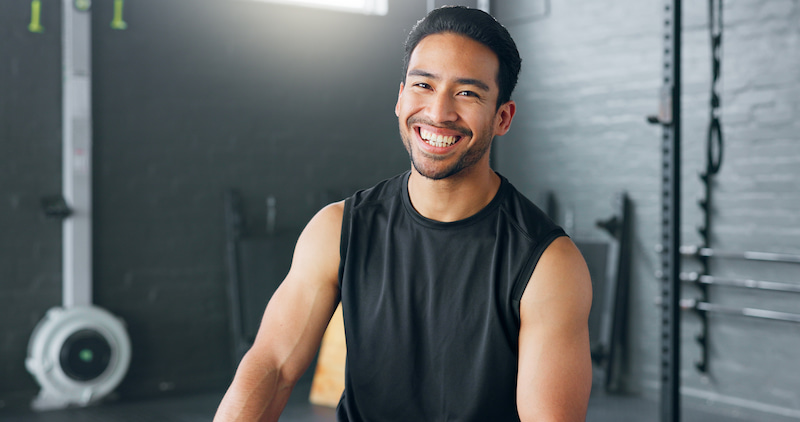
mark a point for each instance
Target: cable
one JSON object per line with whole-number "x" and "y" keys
{"x": 713, "y": 163}
{"x": 714, "y": 145}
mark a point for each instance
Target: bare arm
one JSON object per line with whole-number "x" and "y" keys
{"x": 292, "y": 326}
{"x": 555, "y": 368}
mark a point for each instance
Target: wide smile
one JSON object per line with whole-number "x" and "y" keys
{"x": 437, "y": 140}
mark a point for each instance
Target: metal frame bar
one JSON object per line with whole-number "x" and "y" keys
{"x": 670, "y": 118}
{"x": 618, "y": 279}
{"x": 77, "y": 154}
{"x": 701, "y": 252}
{"x": 709, "y": 280}
{"x": 234, "y": 228}
{"x": 703, "y": 307}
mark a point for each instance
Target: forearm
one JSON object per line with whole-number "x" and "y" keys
{"x": 292, "y": 327}
{"x": 256, "y": 394}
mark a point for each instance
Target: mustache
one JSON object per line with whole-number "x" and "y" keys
{"x": 449, "y": 126}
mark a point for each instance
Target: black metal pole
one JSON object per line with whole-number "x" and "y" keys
{"x": 670, "y": 117}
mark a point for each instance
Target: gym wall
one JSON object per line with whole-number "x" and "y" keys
{"x": 194, "y": 97}
{"x": 592, "y": 72}
{"x": 297, "y": 103}
{"x": 30, "y": 168}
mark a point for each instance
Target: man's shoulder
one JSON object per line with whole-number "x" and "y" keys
{"x": 526, "y": 215}
{"x": 390, "y": 189}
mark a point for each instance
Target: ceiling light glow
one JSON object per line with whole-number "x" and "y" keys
{"x": 367, "y": 7}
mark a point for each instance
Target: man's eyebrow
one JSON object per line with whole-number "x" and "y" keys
{"x": 474, "y": 82}
{"x": 423, "y": 73}
{"x": 463, "y": 81}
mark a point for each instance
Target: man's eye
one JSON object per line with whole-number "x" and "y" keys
{"x": 422, "y": 85}
{"x": 468, "y": 94}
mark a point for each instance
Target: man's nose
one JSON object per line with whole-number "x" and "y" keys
{"x": 442, "y": 108}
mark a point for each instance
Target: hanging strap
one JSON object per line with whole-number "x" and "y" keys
{"x": 714, "y": 139}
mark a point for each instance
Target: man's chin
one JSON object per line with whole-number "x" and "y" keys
{"x": 435, "y": 174}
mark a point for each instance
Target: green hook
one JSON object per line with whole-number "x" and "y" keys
{"x": 36, "y": 10}
{"x": 117, "y": 22}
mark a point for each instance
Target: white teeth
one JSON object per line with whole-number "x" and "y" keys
{"x": 437, "y": 140}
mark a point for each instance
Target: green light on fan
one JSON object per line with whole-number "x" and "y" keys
{"x": 86, "y": 355}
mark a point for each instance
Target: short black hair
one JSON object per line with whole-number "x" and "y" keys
{"x": 479, "y": 26}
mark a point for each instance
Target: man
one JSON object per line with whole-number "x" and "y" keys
{"x": 462, "y": 301}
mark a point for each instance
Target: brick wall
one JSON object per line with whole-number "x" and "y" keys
{"x": 591, "y": 73}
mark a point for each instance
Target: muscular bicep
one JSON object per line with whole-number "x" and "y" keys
{"x": 555, "y": 370}
{"x": 298, "y": 313}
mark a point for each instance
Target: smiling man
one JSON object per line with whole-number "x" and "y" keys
{"x": 442, "y": 107}
{"x": 462, "y": 301}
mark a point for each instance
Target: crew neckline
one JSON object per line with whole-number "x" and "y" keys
{"x": 485, "y": 211}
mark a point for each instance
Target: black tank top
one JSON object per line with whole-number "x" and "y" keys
{"x": 431, "y": 309}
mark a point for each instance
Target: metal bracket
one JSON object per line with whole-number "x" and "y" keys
{"x": 55, "y": 206}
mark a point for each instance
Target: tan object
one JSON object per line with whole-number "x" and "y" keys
{"x": 328, "y": 383}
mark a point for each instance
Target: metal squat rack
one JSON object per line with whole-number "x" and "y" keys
{"x": 669, "y": 248}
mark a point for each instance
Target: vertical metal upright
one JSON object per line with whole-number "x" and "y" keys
{"x": 670, "y": 118}
{"x": 79, "y": 353}
{"x": 77, "y": 157}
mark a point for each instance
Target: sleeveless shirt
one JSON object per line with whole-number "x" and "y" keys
{"x": 431, "y": 309}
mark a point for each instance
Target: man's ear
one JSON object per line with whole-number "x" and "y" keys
{"x": 504, "y": 116}
{"x": 397, "y": 105}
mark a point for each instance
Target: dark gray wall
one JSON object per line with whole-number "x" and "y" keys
{"x": 30, "y": 167}
{"x": 193, "y": 98}
{"x": 591, "y": 73}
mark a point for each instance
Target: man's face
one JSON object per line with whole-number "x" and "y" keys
{"x": 447, "y": 108}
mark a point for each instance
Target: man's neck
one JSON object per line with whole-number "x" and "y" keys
{"x": 454, "y": 198}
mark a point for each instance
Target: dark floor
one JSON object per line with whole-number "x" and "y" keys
{"x": 201, "y": 407}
